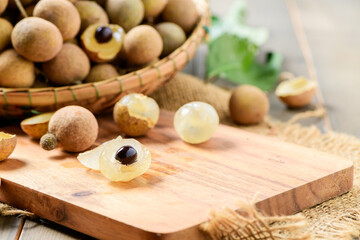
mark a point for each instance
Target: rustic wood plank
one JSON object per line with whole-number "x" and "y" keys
{"x": 334, "y": 39}
{"x": 9, "y": 227}
{"x": 184, "y": 180}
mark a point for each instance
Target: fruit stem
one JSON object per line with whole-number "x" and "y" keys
{"x": 21, "y": 8}
{"x": 48, "y": 142}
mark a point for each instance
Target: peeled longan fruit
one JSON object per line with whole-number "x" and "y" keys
{"x": 15, "y": 71}
{"x": 91, "y": 13}
{"x": 182, "y": 12}
{"x": 101, "y": 72}
{"x": 69, "y": 66}
{"x": 5, "y": 33}
{"x": 142, "y": 44}
{"x": 3, "y": 5}
{"x": 36, "y": 39}
{"x": 126, "y": 13}
{"x": 248, "y": 105}
{"x": 62, "y": 13}
{"x": 172, "y": 35}
{"x": 75, "y": 127}
{"x": 153, "y": 8}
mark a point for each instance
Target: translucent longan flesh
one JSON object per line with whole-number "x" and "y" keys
{"x": 142, "y": 106}
{"x": 196, "y": 122}
{"x": 91, "y": 158}
{"x": 112, "y": 168}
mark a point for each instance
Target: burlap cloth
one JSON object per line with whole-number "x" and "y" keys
{"x": 338, "y": 218}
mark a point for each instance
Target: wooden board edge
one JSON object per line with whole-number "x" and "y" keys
{"x": 69, "y": 215}
{"x": 336, "y": 184}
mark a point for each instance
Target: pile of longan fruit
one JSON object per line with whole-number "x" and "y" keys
{"x": 47, "y": 43}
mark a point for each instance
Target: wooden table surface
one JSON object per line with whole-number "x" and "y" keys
{"x": 319, "y": 39}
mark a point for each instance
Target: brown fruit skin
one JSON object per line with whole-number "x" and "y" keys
{"x": 248, "y": 105}
{"x": 3, "y": 5}
{"x": 69, "y": 66}
{"x": 101, "y": 72}
{"x": 91, "y": 13}
{"x": 15, "y": 71}
{"x": 126, "y": 13}
{"x": 62, "y": 13}
{"x": 181, "y": 12}
{"x": 131, "y": 126}
{"x": 142, "y": 44}
{"x": 5, "y": 33}
{"x": 75, "y": 127}
{"x": 153, "y": 8}
{"x": 7, "y": 146}
{"x": 36, "y": 39}
{"x": 300, "y": 100}
{"x": 173, "y": 36}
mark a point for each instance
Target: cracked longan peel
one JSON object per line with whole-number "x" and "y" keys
{"x": 7, "y": 145}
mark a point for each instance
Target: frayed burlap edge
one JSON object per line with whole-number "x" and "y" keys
{"x": 247, "y": 223}
{"x": 6, "y": 210}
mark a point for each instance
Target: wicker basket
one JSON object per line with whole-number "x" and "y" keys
{"x": 101, "y": 96}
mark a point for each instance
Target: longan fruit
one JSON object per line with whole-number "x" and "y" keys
{"x": 182, "y": 12}
{"x": 62, "y": 13}
{"x": 91, "y": 13}
{"x": 36, "y": 39}
{"x": 16, "y": 71}
{"x": 142, "y": 44}
{"x": 126, "y": 13}
{"x": 69, "y": 66}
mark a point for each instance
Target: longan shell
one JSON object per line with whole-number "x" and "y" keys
{"x": 16, "y": 71}
{"x": 91, "y": 13}
{"x": 126, "y": 13}
{"x": 248, "y": 105}
{"x": 300, "y": 100}
{"x": 69, "y": 66}
{"x": 129, "y": 125}
{"x": 36, "y": 126}
{"x": 36, "y": 39}
{"x": 142, "y": 44}
{"x": 153, "y": 8}
{"x": 3, "y": 5}
{"x": 5, "y": 33}
{"x": 7, "y": 146}
{"x": 62, "y": 13}
{"x": 75, "y": 127}
{"x": 182, "y": 12}
{"x": 101, "y": 72}
{"x": 173, "y": 36}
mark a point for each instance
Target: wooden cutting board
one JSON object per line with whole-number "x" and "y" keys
{"x": 182, "y": 185}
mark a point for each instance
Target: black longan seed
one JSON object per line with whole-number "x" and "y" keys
{"x": 126, "y": 155}
{"x": 103, "y": 34}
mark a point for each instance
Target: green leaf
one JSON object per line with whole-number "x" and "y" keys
{"x": 234, "y": 23}
{"x": 233, "y": 58}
